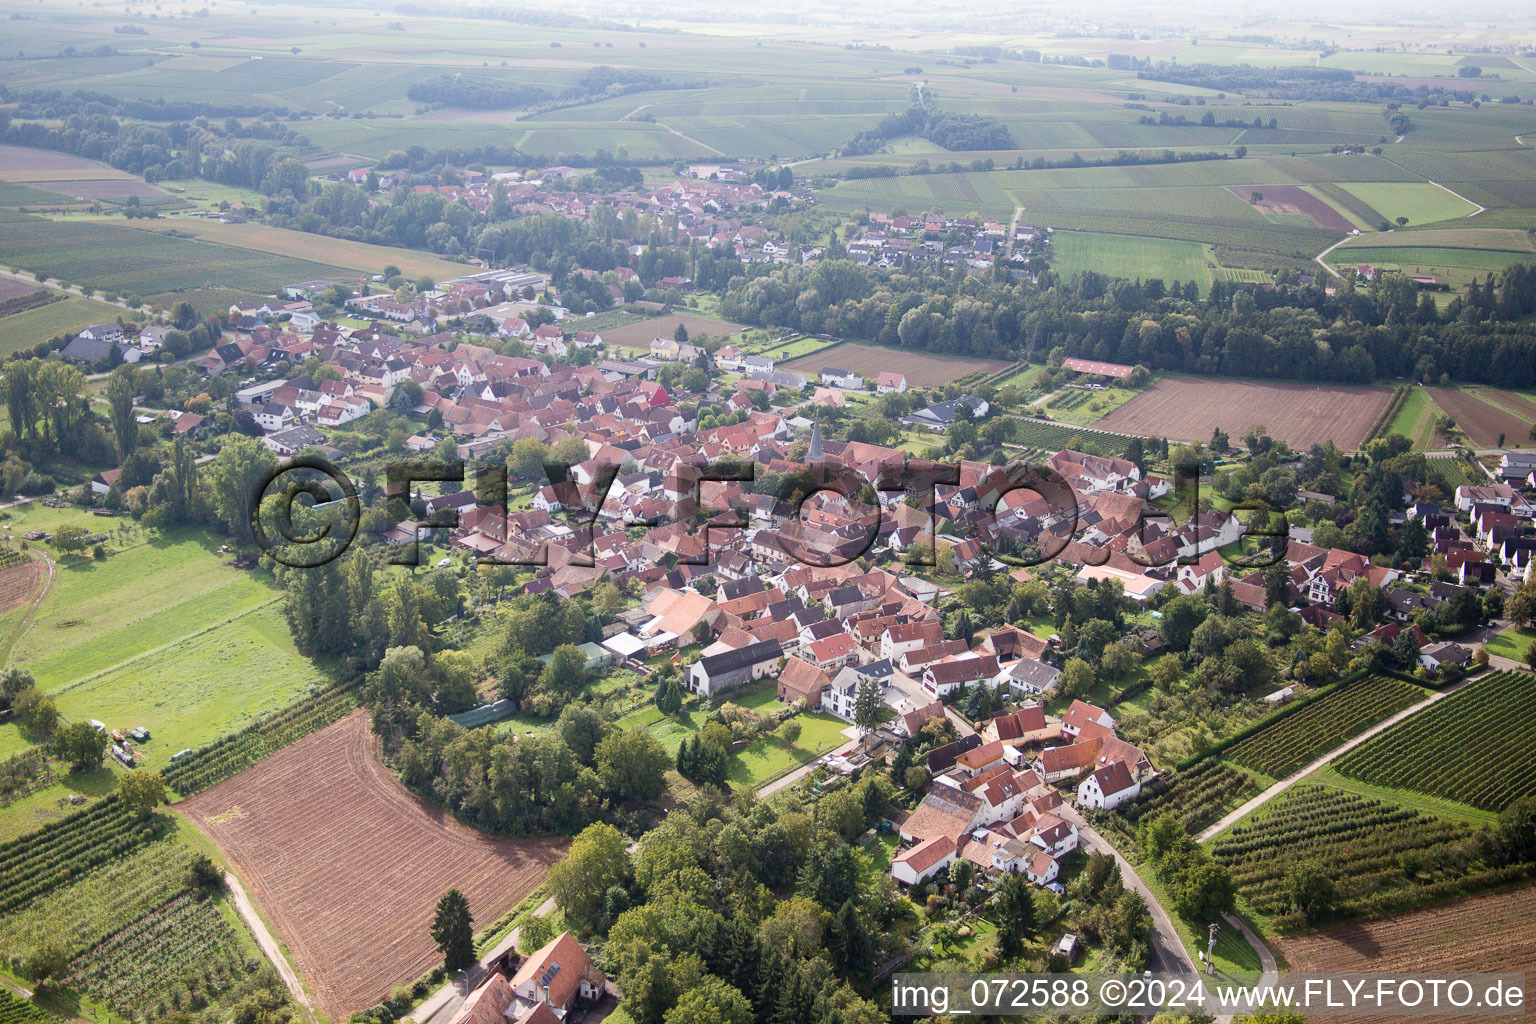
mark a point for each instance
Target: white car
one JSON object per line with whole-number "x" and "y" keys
{"x": 444, "y": 562}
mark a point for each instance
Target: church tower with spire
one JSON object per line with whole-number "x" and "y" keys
{"x": 815, "y": 454}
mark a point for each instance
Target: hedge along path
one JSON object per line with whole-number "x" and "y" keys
{"x": 1249, "y": 806}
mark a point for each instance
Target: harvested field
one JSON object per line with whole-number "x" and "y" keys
{"x": 921, "y": 370}
{"x": 25, "y": 158}
{"x": 1299, "y": 414}
{"x": 1292, "y": 199}
{"x": 1468, "y": 935}
{"x": 19, "y": 583}
{"x": 107, "y": 188}
{"x": 13, "y": 289}
{"x": 1482, "y": 421}
{"x": 639, "y": 335}
{"x": 349, "y": 865}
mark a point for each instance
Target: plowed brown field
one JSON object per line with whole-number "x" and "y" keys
{"x": 1295, "y": 200}
{"x": 19, "y": 583}
{"x": 1184, "y": 409}
{"x": 1483, "y": 421}
{"x": 350, "y": 865}
{"x": 1481, "y": 934}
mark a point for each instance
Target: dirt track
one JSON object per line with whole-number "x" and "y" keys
{"x": 349, "y": 865}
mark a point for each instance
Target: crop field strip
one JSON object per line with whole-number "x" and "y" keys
{"x": 1197, "y": 796}
{"x": 16, "y": 1010}
{"x": 1481, "y": 421}
{"x": 114, "y": 258}
{"x": 134, "y": 931}
{"x": 137, "y": 971}
{"x": 1468, "y": 748}
{"x": 349, "y": 864}
{"x": 1358, "y": 841}
{"x": 921, "y": 369}
{"x": 1299, "y": 739}
{"x": 39, "y": 862}
{"x": 99, "y": 903}
{"x": 1050, "y": 438}
{"x": 1465, "y": 935}
{"x": 1188, "y": 409}
{"x": 1416, "y": 418}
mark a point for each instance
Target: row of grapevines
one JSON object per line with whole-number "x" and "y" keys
{"x": 1474, "y": 747}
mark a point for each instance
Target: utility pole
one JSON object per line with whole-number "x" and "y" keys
{"x": 1210, "y": 950}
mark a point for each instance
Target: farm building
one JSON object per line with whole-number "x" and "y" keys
{"x": 555, "y": 978}
{"x": 717, "y": 672}
{"x": 942, "y": 414}
{"x": 924, "y": 860}
{"x": 1118, "y": 371}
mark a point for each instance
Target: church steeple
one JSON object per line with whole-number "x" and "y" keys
{"x": 815, "y": 454}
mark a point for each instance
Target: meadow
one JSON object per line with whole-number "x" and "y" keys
{"x": 23, "y": 330}
{"x": 1416, "y": 419}
{"x": 1420, "y": 202}
{"x": 159, "y": 635}
{"x": 318, "y": 249}
{"x": 1074, "y": 252}
{"x": 110, "y": 257}
{"x": 764, "y": 758}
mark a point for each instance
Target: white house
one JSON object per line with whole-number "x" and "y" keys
{"x": 718, "y": 672}
{"x": 833, "y": 377}
{"x": 272, "y": 417}
{"x": 102, "y": 332}
{"x": 1436, "y": 656}
{"x": 1042, "y": 869}
{"x": 1056, "y": 836}
{"x": 924, "y": 860}
{"x": 891, "y": 383}
{"x": 1080, "y": 714}
{"x": 556, "y": 976}
{"x": 1108, "y": 787}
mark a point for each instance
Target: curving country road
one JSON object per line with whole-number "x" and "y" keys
{"x": 1168, "y": 952}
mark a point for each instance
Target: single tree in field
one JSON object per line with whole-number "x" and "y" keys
{"x": 451, "y": 930}
{"x": 141, "y": 792}
{"x": 80, "y": 745}
{"x": 1530, "y": 655}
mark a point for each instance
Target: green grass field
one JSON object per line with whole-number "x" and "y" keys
{"x": 1074, "y": 252}
{"x": 1416, "y": 419}
{"x": 1419, "y": 201}
{"x": 159, "y": 635}
{"x": 23, "y": 330}
{"x": 1099, "y": 405}
{"x": 1455, "y": 267}
{"x": 116, "y": 258}
{"x": 51, "y": 803}
{"x": 763, "y": 758}
{"x": 1512, "y": 644}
